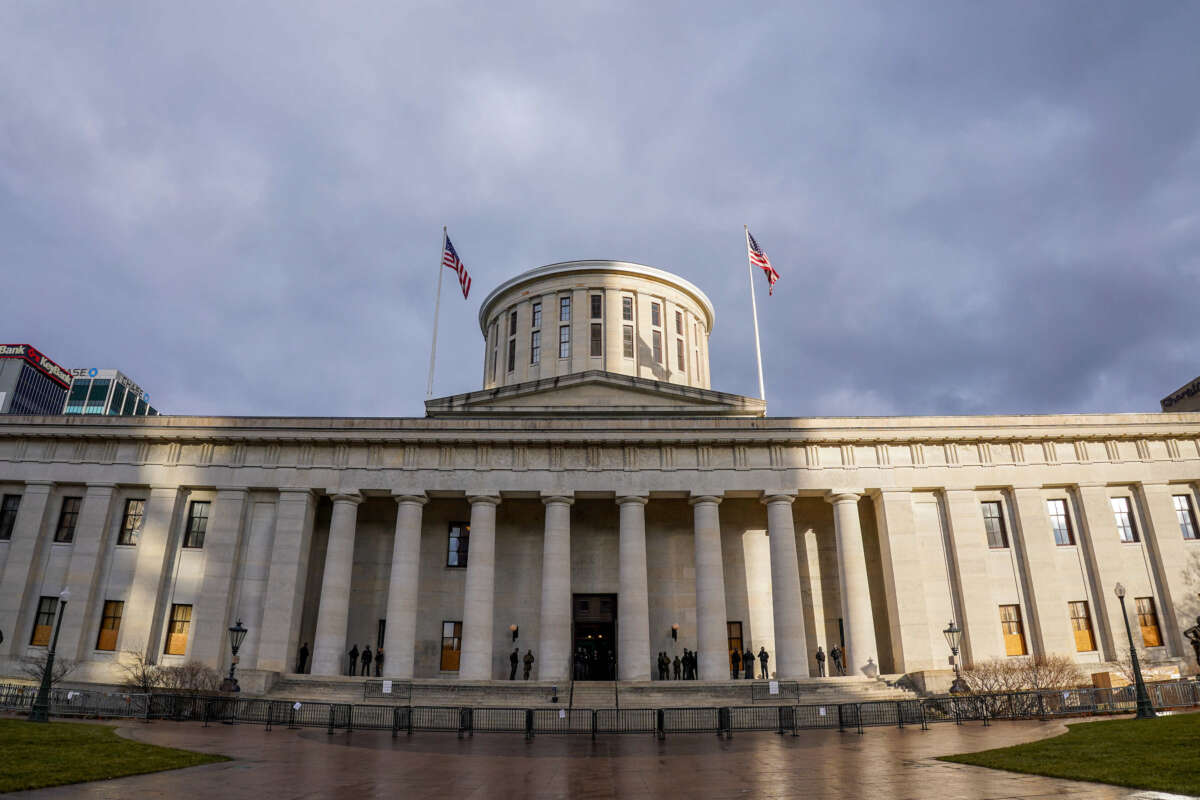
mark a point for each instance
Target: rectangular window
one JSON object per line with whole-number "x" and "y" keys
{"x": 1014, "y": 631}
{"x": 512, "y": 322}
{"x": 679, "y": 354}
{"x": 78, "y": 396}
{"x": 177, "y": 630}
{"x": 1183, "y": 511}
{"x": 43, "y": 624}
{"x": 1124, "y": 516}
{"x": 97, "y": 396}
{"x": 1148, "y": 621}
{"x": 627, "y": 309}
{"x": 679, "y": 323}
{"x": 993, "y": 521}
{"x": 1060, "y": 521}
{"x": 110, "y": 625}
{"x": 734, "y": 632}
{"x": 8, "y": 514}
{"x": 656, "y": 315}
{"x": 456, "y": 553}
{"x": 451, "y": 645}
{"x": 1081, "y": 622}
{"x": 597, "y": 339}
{"x": 627, "y": 341}
{"x": 67, "y": 517}
{"x": 197, "y": 524}
{"x": 564, "y": 341}
{"x": 564, "y": 309}
{"x": 656, "y": 338}
{"x": 512, "y": 354}
{"x": 131, "y": 524}
{"x": 118, "y": 399}
{"x": 537, "y": 315}
{"x": 535, "y": 347}
{"x": 597, "y": 306}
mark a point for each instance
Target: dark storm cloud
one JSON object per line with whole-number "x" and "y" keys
{"x": 974, "y": 209}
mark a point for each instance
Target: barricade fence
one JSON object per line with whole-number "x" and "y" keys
{"x": 465, "y": 720}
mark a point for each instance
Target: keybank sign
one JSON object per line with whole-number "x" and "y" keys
{"x": 34, "y": 357}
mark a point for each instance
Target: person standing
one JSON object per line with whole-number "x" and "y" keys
{"x": 513, "y": 659}
{"x": 763, "y": 658}
{"x": 820, "y": 662}
{"x": 678, "y": 667}
{"x": 735, "y": 664}
{"x": 302, "y": 659}
{"x": 528, "y": 663}
{"x": 748, "y": 663}
{"x": 378, "y": 661}
{"x": 366, "y": 661}
{"x": 835, "y": 655}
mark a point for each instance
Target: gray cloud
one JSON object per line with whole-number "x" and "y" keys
{"x": 974, "y": 209}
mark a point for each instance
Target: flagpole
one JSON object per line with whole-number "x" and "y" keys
{"x": 762, "y": 393}
{"x": 437, "y": 307}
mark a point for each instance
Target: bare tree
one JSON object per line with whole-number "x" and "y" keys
{"x": 34, "y": 666}
{"x": 190, "y": 678}
{"x": 1125, "y": 663}
{"x": 1023, "y": 674}
{"x": 1051, "y": 672}
{"x": 141, "y": 675}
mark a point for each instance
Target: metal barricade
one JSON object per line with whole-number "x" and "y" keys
{"x": 399, "y": 691}
{"x": 690, "y": 720}
{"x": 626, "y": 720}
{"x": 788, "y": 690}
{"x": 816, "y": 717}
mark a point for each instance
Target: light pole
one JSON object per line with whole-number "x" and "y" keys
{"x": 41, "y": 704}
{"x": 1145, "y": 710}
{"x": 237, "y": 633}
{"x": 953, "y": 635}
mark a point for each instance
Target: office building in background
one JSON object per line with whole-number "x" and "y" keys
{"x": 30, "y": 382}
{"x": 107, "y": 392}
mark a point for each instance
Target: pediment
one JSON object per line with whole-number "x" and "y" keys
{"x": 596, "y": 394}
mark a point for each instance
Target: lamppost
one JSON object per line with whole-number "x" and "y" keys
{"x": 41, "y": 704}
{"x": 953, "y": 635}
{"x": 1145, "y": 710}
{"x": 237, "y": 634}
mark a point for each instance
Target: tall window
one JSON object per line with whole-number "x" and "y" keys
{"x": 597, "y": 306}
{"x": 495, "y": 349}
{"x": 511, "y": 360}
{"x": 1148, "y": 621}
{"x": 512, "y": 322}
{"x": 564, "y": 341}
{"x": 564, "y": 309}
{"x": 679, "y": 323}
{"x": 512, "y": 354}
{"x": 597, "y": 339}
{"x": 456, "y": 552}
{"x": 1183, "y": 511}
{"x": 451, "y": 645}
{"x": 656, "y": 315}
{"x": 43, "y": 624}
{"x": 627, "y": 341}
{"x": 734, "y": 632}
{"x": 1014, "y": 631}
{"x": 627, "y": 309}
{"x": 8, "y": 514}
{"x": 67, "y": 517}
{"x": 536, "y": 319}
{"x": 110, "y": 625}
{"x": 197, "y": 524}
{"x": 656, "y": 339}
{"x": 535, "y": 347}
{"x": 177, "y": 630}
{"x": 1060, "y": 521}
{"x": 993, "y": 522}
{"x": 1081, "y": 622}
{"x": 131, "y": 523}
{"x": 1124, "y": 516}
{"x": 679, "y": 355}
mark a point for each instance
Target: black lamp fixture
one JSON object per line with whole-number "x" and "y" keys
{"x": 516, "y": 630}
{"x": 237, "y": 634}
{"x": 953, "y": 635}
{"x": 675, "y": 632}
{"x": 1145, "y": 709}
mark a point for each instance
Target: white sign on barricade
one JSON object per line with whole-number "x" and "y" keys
{"x": 822, "y": 710}
{"x": 774, "y": 687}
{"x": 295, "y": 707}
{"x": 387, "y": 687}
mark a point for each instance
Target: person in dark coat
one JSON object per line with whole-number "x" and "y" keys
{"x": 748, "y": 663}
{"x": 735, "y": 664}
{"x": 353, "y": 659}
{"x": 514, "y": 658}
{"x": 678, "y": 667}
{"x": 366, "y": 661}
{"x": 528, "y": 663}
{"x": 835, "y": 655}
{"x": 763, "y": 658}
{"x": 378, "y": 661}
{"x": 302, "y": 659}
{"x": 820, "y": 662}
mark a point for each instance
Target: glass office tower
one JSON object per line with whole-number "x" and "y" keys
{"x": 108, "y": 392}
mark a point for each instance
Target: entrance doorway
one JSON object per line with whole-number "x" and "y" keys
{"x": 594, "y": 622}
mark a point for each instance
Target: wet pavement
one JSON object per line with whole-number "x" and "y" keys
{"x": 882, "y": 763}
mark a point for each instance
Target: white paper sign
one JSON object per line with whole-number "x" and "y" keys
{"x": 296, "y": 707}
{"x": 774, "y": 687}
{"x": 822, "y": 710}
{"x": 562, "y": 713}
{"x": 387, "y": 687}
{"x": 1066, "y": 695}
{"x": 70, "y": 696}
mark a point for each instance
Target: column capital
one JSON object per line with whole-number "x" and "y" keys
{"x": 350, "y": 496}
{"x": 836, "y": 496}
{"x": 778, "y": 496}
{"x": 485, "y": 498}
{"x": 641, "y": 498}
{"x": 698, "y": 498}
{"x": 410, "y": 497}
{"x": 558, "y": 497}
{"x": 882, "y": 490}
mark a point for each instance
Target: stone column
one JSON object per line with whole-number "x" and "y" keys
{"x": 333, "y": 610}
{"x": 92, "y": 538}
{"x": 480, "y": 590}
{"x": 157, "y": 548}
{"x": 554, "y": 624}
{"x": 857, "y": 621}
{"x": 904, "y": 578}
{"x": 18, "y": 585}
{"x": 214, "y": 611}
{"x": 400, "y": 636}
{"x": 712, "y": 631}
{"x": 1106, "y": 566}
{"x": 1049, "y": 617}
{"x": 791, "y": 646}
{"x": 286, "y": 579}
{"x": 1169, "y": 558}
{"x": 633, "y": 606}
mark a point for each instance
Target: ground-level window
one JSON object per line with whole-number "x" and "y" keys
{"x": 177, "y": 630}
{"x": 1081, "y": 623}
{"x": 1183, "y": 511}
{"x": 451, "y": 645}
{"x": 43, "y": 624}
{"x": 1060, "y": 521}
{"x": 1148, "y": 621}
{"x": 735, "y": 636}
{"x": 1014, "y": 631}
{"x": 456, "y": 554}
{"x": 110, "y": 625}
{"x": 993, "y": 522}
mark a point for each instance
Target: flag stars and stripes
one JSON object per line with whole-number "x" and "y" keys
{"x": 450, "y": 259}
{"x": 759, "y": 259}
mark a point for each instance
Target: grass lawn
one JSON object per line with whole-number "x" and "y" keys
{"x": 1159, "y": 754}
{"x": 54, "y": 753}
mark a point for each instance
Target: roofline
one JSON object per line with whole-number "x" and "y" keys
{"x": 598, "y": 265}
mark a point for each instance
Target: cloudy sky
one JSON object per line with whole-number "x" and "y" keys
{"x": 975, "y": 208}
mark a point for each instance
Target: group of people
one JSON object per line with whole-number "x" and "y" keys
{"x": 365, "y": 659}
{"x": 836, "y": 656}
{"x": 683, "y": 667}
{"x": 744, "y": 662}
{"x": 514, "y": 658}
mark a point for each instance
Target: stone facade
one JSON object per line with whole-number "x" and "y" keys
{"x": 687, "y": 505}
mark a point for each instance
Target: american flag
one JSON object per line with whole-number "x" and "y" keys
{"x": 450, "y": 259}
{"x": 759, "y": 258}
